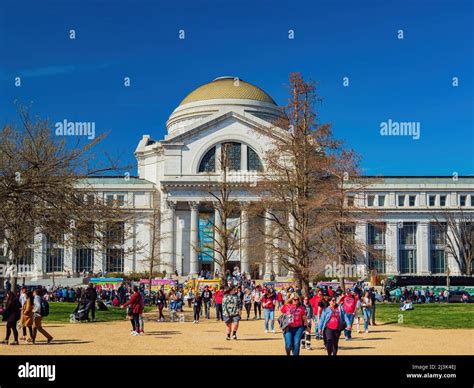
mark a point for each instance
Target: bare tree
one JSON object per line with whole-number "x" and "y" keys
{"x": 458, "y": 227}
{"x": 40, "y": 186}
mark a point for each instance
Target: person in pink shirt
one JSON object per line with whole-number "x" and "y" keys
{"x": 297, "y": 324}
{"x": 218, "y": 296}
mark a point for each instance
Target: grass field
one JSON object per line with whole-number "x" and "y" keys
{"x": 441, "y": 316}
{"x": 438, "y": 316}
{"x": 60, "y": 312}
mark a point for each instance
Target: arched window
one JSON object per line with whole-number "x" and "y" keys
{"x": 208, "y": 162}
{"x": 253, "y": 161}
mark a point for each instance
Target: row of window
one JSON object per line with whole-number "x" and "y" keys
{"x": 411, "y": 200}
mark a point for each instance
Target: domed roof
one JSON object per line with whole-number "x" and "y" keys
{"x": 227, "y": 88}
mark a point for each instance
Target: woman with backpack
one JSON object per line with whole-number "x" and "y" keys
{"x": 331, "y": 323}
{"x": 294, "y": 315}
{"x": 11, "y": 314}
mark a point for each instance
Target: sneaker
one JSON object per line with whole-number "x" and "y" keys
{"x": 366, "y": 331}
{"x": 141, "y": 332}
{"x": 347, "y": 338}
{"x": 308, "y": 348}
{"x": 266, "y": 331}
{"x": 273, "y": 331}
{"x": 234, "y": 336}
{"x": 227, "y": 338}
{"x": 49, "y": 340}
{"x": 14, "y": 343}
{"x": 5, "y": 342}
{"x": 135, "y": 334}
{"x": 22, "y": 338}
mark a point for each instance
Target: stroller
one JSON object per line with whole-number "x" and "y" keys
{"x": 81, "y": 313}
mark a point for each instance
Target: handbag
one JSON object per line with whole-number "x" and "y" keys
{"x": 284, "y": 321}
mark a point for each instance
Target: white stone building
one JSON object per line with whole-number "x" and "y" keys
{"x": 174, "y": 174}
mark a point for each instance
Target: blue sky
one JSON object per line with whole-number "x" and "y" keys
{"x": 402, "y": 80}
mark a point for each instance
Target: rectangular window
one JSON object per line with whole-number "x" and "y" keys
{"x": 120, "y": 199}
{"x": 381, "y": 200}
{"x": 442, "y": 200}
{"x": 438, "y": 261}
{"x": 54, "y": 259}
{"x": 114, "y": 260}
{"x": 411, "y": 200}
{"x": 376, "y": 234}
{"x": 232, "y": 158}
{"x": 370, "y": 200}
{"x": 115, "y": 233}
{"x": 432, "y": 200}
{"x": 84, "y": 260}
{"x": 377, "y": 261}
{"x": 472, "y": 202}
{"x": 109, "y": 199}
{"x": 350, "y": 200}
{"x": 401, "y": 200}
{"x": 462, "y": 200}
{"x": 408, "y": 261}
{"x": 407, "y": 234}
{"x": 438, "y": 233}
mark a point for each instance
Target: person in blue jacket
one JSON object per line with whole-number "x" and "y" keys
{"x": 330, "y": 325}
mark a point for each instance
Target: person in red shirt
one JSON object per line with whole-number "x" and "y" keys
{"x": 136, "y": 308}
{"x": 329, "y": 326}
{"x": 349, "y": 305}
{"x": 297, "y": 324}
{"x": 268, "y": 302}
{"x": 317, "y": 310}
{"x": 218, "y": 296}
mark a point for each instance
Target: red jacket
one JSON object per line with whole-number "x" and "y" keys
{"x": 135, "y": 303}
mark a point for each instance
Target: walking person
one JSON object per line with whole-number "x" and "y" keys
{"x": 218, "y": 297}
{"x": 231, "y": 308}
{"x": 160, "y": 303}
{"x": 135, "y": 310}
{"x": 306, "y": 339}
{"x": 197, "y": 306}
{"x": 247, "y": 300}
{"x": 22, "y": 299}
{"x": 349, "y": 303}
{"x": 190, "y": 297}
{"x": 372, "y": 308}
{"x": 142, "y": 308}
{"x": 173, "y": 298}
{"x": 268, "y": 302}
{"x": 91, "y": 295}
{"x": 366, "y": 304}
{"x": 38, "y": 313}
{"x": 257, "y": 302}
{"x": 331, "y": 323}
{"x": 297, "y": 324}
{"x": 206, "y": 296}
{"x": 27, "y": 317}
{"x": 11, "y": 314}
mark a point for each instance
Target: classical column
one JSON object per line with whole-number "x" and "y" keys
{"x": 68, "y": 254}
{"x": 38, "y": 254}
{"x": 423, "y": 249}
{"x": 167, "y": 237}
{"x": 291, "y": 227}
{"x": 391, "y": 246}
{"x": 268, "y": 246}
{"x": 244, "y": 238}
{"x": 194, "y": 240}
{"x": 218, "y": 243}
{"x": 362, "y": 260}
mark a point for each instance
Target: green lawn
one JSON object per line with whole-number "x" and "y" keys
{"x": 439, "y": 316}
{"x": 60, "y": 312}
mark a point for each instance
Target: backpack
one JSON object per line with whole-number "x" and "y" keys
{"x": 44, "y": 311}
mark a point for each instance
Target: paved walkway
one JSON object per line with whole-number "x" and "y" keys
{"x": 208, "y": 337}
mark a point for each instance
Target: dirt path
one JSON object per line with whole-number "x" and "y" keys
{"x": 208, "y": 337}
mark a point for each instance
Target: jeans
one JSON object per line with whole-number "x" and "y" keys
{"x": 293, "y": 340}
{"x": 135, "y": 320}
{"x": 257, "y": 306}
{"x": 197, "y": 312}
{"x": 349, "y": 318}
{"x": 269, "y": 316}
{"x": 219, "y": 314}
{"x": 248, "y": 307}
{"x": 366, "y": 313}
{"x": 372, "y": 314}
{"x": 37, "y": 326}
{"x": 207, "y": 308}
